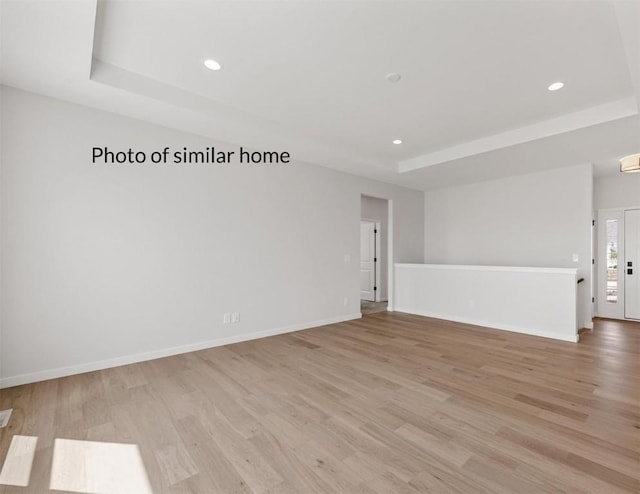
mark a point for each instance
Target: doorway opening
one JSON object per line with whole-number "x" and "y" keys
{"x": 618, "y": 259}
{"x": 374, "y": 255}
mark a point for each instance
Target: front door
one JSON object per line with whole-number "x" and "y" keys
{"x": 631, "y": 267}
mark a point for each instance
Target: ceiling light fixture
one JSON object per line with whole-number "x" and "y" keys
{"x": 555, "y": 86}
{"x": 211, "y": 64}
{"x": 630, "y": 163}
{"x": 397, "y": 141}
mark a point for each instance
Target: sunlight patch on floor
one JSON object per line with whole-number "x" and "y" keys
{"x": 96, "y": 467}
{"x": 5, "y": 415}
{"x": 17, "y": 465}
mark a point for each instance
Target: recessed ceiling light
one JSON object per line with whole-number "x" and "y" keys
{"x": 211, "y": 64}
{"x": 397, "y": 141}
{"x": 555, "y": 86}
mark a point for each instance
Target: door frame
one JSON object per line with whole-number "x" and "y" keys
{"x": 390, "y": 253}
{"x": 601, "y": 270}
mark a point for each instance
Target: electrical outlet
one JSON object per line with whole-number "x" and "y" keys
{"x": 235, "y": 317}
{"x": 226, "y": 318}
{"x": 347, "y": 258}
{"x": 345, "y": 301}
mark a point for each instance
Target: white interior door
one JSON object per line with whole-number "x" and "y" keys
{"x": 367, "y": 260}
{"x": 610, "y": 296}
{"x": 632, "y": 264}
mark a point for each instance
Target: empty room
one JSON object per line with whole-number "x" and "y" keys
{"x": 319, "y": 246}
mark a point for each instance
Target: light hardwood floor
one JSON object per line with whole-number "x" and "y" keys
{"x": 390, "y": 403}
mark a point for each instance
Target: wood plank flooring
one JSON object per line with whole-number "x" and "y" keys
{"x": 391, "y": 403}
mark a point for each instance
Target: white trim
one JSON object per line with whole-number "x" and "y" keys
{"x": 485, "y": 324}
{"x": 377, "y": 261}
{"x": 608, "y": 210}
{"x": 568, "y": 122}
{"x": 391, "y": 285}
{"x": 601, "y": 316}
{"x": 517, "y": 269}
{"x": 594, "y": 266}
{"x": 44, "y": 375}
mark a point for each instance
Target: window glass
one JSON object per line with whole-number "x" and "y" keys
{"x": 612, "y": 261}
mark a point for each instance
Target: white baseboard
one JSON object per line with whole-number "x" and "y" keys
{"x": 613, "y": 319}
{"x": 491, "y": 325}
{"x": 44, "y": 375}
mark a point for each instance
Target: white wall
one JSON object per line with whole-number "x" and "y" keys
{"x": 621, "y": 190}
{"x": 536, "y": 301}
{"x": 104, "y": 264}
{"x": 537, "y": 220}
{"x": 376, "y": 209}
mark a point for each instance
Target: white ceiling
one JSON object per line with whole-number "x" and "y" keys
{"x": 309, "y": 77}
